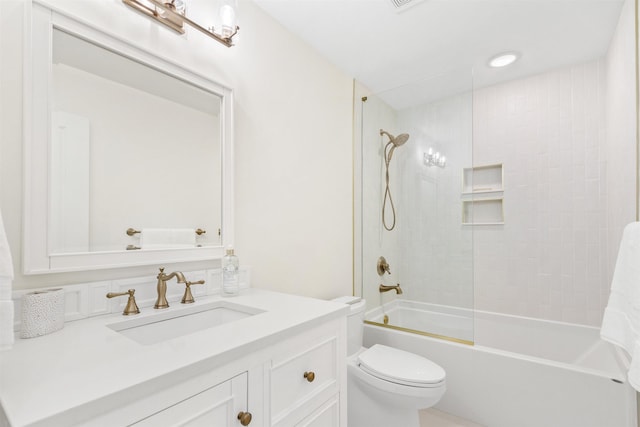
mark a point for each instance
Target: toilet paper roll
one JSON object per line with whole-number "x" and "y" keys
{"x": 42, "y": 313}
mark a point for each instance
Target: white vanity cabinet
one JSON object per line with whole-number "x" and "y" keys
{"x": 285, "y": 365}
{"x": 300, "y": 381}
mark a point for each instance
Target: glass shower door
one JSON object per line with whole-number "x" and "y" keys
{"x": 429, "y": 251}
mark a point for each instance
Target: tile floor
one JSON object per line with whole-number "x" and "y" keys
{"x": 434, "y": 418}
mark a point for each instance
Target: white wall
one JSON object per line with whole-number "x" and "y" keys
{"x": 293, "y": 133}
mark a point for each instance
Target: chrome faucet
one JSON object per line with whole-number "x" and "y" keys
{"x": 162, "y": 302}
{"x": 385, "y": 288}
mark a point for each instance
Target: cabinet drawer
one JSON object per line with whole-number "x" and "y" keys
{"x": 215, "y": 406}
{"x": 327, "y": 415}
{"x": 289, "y": 387}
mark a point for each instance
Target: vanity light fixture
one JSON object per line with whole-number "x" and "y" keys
{"x": 172, "y": 13}
{"x": 503, "y": 59}
{"x": 434, "y": 159}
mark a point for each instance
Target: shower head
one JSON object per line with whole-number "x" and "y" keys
{"x": 396, "y": 140}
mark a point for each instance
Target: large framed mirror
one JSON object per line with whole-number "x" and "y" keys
{"x": 128, "y": 157}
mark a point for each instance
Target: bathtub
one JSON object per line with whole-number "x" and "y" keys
{"x": 515, "y": 371}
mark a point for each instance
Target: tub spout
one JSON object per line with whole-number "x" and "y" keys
{"x": 397, "y": 288}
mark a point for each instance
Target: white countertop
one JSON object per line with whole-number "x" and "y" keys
{"x": 85, "y": 361}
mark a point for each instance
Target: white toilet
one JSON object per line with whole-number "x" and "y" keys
{"x": 386, "y": 386}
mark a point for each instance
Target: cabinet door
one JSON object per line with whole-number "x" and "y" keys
{"x": 215, "y": 406}
{"x": 327, "y": 415}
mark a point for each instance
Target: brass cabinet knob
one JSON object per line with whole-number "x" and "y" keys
{"x": 245, "y": 418}
{"x": 310, "y": 376}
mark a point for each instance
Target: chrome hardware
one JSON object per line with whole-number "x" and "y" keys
{"x": 187, "y": 298}
{"x": 383, "y": 266}
{"x": 310, "y": 376}
{"x": 385, "y": 288}
{"x": 131, "y": 307}
{"x": 162, "y": 302}
{"x": 245, "y": 418}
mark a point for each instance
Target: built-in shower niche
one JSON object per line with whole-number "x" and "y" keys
{"x": 483, "y": 179}
{"x": 483, "y": 212}
{"x": 482, "y": 195}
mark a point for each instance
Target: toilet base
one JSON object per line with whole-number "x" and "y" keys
{"x": 370, "y": 407}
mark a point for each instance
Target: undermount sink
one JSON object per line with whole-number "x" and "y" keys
{"x": 180, "y": 321}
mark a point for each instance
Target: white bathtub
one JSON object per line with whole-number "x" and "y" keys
{"x": 521, "y": 372}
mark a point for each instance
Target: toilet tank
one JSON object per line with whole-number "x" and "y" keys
{"x": 355, "y": 322}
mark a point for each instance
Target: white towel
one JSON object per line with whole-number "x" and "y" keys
{"x": 6, "y": 263}
{"x": 621, "y": 322}
{"x": 6, "y": 325}
{"x": 6, "y": 304}
{"x": 163, "y": 238}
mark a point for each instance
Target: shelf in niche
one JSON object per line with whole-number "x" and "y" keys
{"x": 483, "y": 212}
{"x": 483, "y": 179}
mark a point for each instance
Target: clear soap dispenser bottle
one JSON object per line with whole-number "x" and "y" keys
{"x": 230, "y": 273}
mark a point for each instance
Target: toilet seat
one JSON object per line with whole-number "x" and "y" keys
{"x": 401, "y": 367}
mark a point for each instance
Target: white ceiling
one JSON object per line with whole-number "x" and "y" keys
{"x": 436, "y": 45}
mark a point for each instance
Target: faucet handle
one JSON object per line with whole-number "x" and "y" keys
{"x": 188, "y": 296}
{"x": 382, "y": 266}
{"x": 131, "y": 307}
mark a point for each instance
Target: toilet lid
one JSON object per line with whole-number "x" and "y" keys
{"x": 400, "y": 367}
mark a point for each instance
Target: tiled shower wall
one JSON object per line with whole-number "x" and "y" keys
{"x": 567, "y": 142}
{"x": 549, "y": 259}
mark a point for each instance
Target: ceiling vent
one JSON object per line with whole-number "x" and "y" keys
{"x": 402, "y": 5}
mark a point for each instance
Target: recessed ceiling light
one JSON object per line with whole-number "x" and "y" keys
{"x": 503, "y": 59}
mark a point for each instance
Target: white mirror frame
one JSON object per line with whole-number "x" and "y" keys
{"x": 39, "y": 23}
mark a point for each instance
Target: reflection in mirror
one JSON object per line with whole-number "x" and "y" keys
{"x": 131, "y": 146}
{"x": 116, "y": 137}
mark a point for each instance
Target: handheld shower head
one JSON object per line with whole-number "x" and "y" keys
{"x": 396, "y": 140}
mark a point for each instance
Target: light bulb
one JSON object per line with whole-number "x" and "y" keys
{"x": 503, "y": 59}
{"x": 228, "y": 18}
